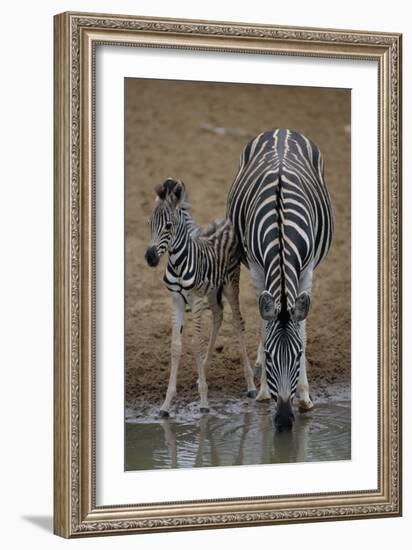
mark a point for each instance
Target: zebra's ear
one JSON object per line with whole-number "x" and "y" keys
{"x": 267, "y": 308}
{"x": 172, "y": 191}
{"x": 177, "y": 193}
{"x": 301, "y": 309}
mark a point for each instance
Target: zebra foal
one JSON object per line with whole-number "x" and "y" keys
{"x": 200, "y": 264}
{"x": 280, "y": 208}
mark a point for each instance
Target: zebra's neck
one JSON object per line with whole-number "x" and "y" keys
{"x": 184, "y": 247}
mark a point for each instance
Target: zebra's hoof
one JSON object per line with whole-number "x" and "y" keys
{"x": 305, "y": 406}
{"x": 263, "y": 396}
{"x": 204, "y": 410}
{"x": 252, "y": 394}
{"x": 163, "y": 413}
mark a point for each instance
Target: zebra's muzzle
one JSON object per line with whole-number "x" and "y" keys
{"x": 152, "y": 257}
{"x": 284, "y": 416}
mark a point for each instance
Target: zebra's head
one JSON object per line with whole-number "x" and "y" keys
{"x": 283, "y": 350}
{"x": 165, "y": 219}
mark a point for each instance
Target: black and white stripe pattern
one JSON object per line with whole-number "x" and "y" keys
{"x": 198, "y": 260}
{"x": 281, "y": 210}
{"x": 200, "y": 264}
{"x": 283, "y": 348}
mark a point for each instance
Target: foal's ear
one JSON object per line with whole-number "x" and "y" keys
{"x": 171, "y": 191}
{"x": 267, "y": 308}
{"x": 177, "y": 193}
{"x": 301, "y": 309}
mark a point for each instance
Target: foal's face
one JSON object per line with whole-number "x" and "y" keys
{"x": 164, "y": 219}
{"x": 162, "y": 222}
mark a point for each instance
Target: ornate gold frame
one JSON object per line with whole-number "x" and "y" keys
{"x": 75, "y": 38}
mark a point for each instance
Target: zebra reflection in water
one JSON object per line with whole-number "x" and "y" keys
{"x": 246, "y": 439}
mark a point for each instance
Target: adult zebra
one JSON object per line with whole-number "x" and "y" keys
{"x": 281, "y": 211}
{"x": 201, "y": 264}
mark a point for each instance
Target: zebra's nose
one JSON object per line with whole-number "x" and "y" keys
{"x": 284, "y": 416}
{"x": 151, "y": 256}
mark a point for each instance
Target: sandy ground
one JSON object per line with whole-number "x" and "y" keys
{"x": 196, "y": 131}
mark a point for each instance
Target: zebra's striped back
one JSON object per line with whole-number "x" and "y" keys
{"x": 203, "y": 261}
{"x": 280, "y": 208}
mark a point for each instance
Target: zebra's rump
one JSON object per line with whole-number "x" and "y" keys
{"x": 280, "y": 208}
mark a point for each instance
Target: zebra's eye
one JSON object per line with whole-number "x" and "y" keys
{"x": 168, "y": 225}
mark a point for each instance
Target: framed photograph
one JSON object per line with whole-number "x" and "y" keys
{"x": 227, "y": 274}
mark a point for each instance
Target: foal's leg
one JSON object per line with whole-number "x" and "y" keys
{"x": 305, "y": 402}
{"x": 170, "y": 440}
{"x": 178, "y": 313}
{"x": 197, "y": 309}
{"x": 231, "y": 291}
{"x": 217, "y": 317}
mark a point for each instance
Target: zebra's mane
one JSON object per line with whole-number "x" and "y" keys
{"x": 185, "y": 204}
{"x": 186, "y": 209}
{"x": 211, "y": 228}
{"x": 172, "y": 194}
{"x": 212, "y": 231}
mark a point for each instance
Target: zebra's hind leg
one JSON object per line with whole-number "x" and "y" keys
{"x": 258, "y": 280}
{"x": 305, "y": 402}
{"x": 264, "y": 394}
{"x": 231, "y": 291}
{"x": 178, "y": 312}
{"x": 217, "y": 317}
{"x": 197, "y": 309}
{"x": 260, "y": 360}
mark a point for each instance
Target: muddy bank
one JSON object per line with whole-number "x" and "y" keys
{"x": 196, "y": 132}
{"x": 186, "y": 410}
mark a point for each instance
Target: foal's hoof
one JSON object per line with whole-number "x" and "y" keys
{"x": 164, "y": 414}
{"x": 252, "y": 394}
{"x": 204, "y": 409}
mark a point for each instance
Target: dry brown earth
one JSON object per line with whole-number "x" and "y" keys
{"x": 196, "y": 131}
